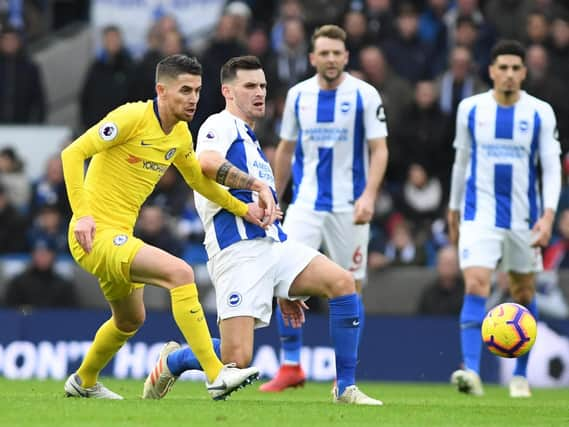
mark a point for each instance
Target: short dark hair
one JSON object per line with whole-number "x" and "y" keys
{"x": 466, "y": 20}
{"x": 508, "y": 47}
{"x": 174, "y": 65}
{"x": 111, "y": 29}
{"x": 329, "y": 31}
{"x": 230, "y": 68}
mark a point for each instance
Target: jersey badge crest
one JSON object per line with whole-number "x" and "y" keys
{"x": 120, "y": 239}
{"x": 108, "y": 131}
{"x": 170, "y": 153}
{"x": 234, "y": 299}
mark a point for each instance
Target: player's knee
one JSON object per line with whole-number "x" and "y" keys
{"x": 180, "y": 274}
{"x": 132, "y": 323}
{"x": 343, "y": 284}
{"x": 522, "y": 296}
{"x": 476, "y": 286}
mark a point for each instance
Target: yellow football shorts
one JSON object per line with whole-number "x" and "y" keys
{"x": 109, "y": 260}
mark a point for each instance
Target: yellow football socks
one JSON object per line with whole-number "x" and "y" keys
{"x": 190, "y": 318}
{"x": 108, "y": 340}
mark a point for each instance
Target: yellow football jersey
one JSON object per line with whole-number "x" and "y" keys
{"x": 130, "y": 152}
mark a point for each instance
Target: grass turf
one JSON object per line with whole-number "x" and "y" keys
{"x": 41, "y": 403}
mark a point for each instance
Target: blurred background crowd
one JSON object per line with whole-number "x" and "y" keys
{"x": 423, "y": 56}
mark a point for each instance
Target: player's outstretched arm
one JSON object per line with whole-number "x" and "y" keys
{"x": 215, "y": 166}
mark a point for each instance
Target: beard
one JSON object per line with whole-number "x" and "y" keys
{"x": 326, "y": 76}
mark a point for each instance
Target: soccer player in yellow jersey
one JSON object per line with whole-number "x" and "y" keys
{"x": 130, "y": 150}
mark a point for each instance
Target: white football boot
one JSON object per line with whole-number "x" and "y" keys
{"x": 229, "y": 379}
{"x": 467, "y": 382}
{"x": 519, "y": 387}
{"x": 73, "y": 388}
{"x": 160, "y": 380}
{"x": 353, "y": 395}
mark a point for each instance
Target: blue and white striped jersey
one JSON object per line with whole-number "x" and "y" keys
{"x": 331, "y": 129}
{"x": 505, "y": 143}
{"x": 236, "y": 141}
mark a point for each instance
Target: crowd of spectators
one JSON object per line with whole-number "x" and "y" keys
{"x": 423, "y": 56}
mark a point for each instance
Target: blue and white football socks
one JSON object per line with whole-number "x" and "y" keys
{"x": 184, "y": 359}
{"x": 522, "y": 361}
{"x": 344, "y": 332}
{"x": 471, "y": 317}
{"x": 291, "y": 340}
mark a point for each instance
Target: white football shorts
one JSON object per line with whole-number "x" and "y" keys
{"x": 490, "y": 247}
{"x": 247, "y": 274}
{"x": 344, "y": 242}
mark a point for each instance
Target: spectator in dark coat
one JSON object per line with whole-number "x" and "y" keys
{"x": 422, "y": 136}
{"x": 395, "y": 92}
{"x": 380, "y": 19}
{"x": 459, "y": 81}
{"x": 560, "y": 45}
{"x": 12, "y": 226}
{"x": 21, "y": 88}
{"x": 407, "y": 54}
{"x": 143, "y": 78}
{"x": 49, "y": 189}
{"x": 509, "y": 17}
{"x": 357, "y": 37}
{"x": 556, "y": 256}
{"x": 433, "y": 30}
{"x": 545, "y": 85}
{"x": 223, "y": 46}
{"x": 48, "y": 224}
{"x": 153, "y": 229}
{"x": 444, "y": 296}
{"x": 106, "y": 86}
{"x": 420, "y": 200}
{"x": 40, "y": 285}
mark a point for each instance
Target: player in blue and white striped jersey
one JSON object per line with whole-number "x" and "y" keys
{"x": 333, "y": 137}
{"x": 496, "y": 212}
{"x": 250, "y": 265}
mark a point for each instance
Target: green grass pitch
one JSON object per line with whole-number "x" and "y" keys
{"x": 41, "y": 403}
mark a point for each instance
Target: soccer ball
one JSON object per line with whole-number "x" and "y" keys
{"x": 509, "y": 330}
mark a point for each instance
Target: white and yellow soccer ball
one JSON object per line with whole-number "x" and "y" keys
{"x": 509, "y": 330}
